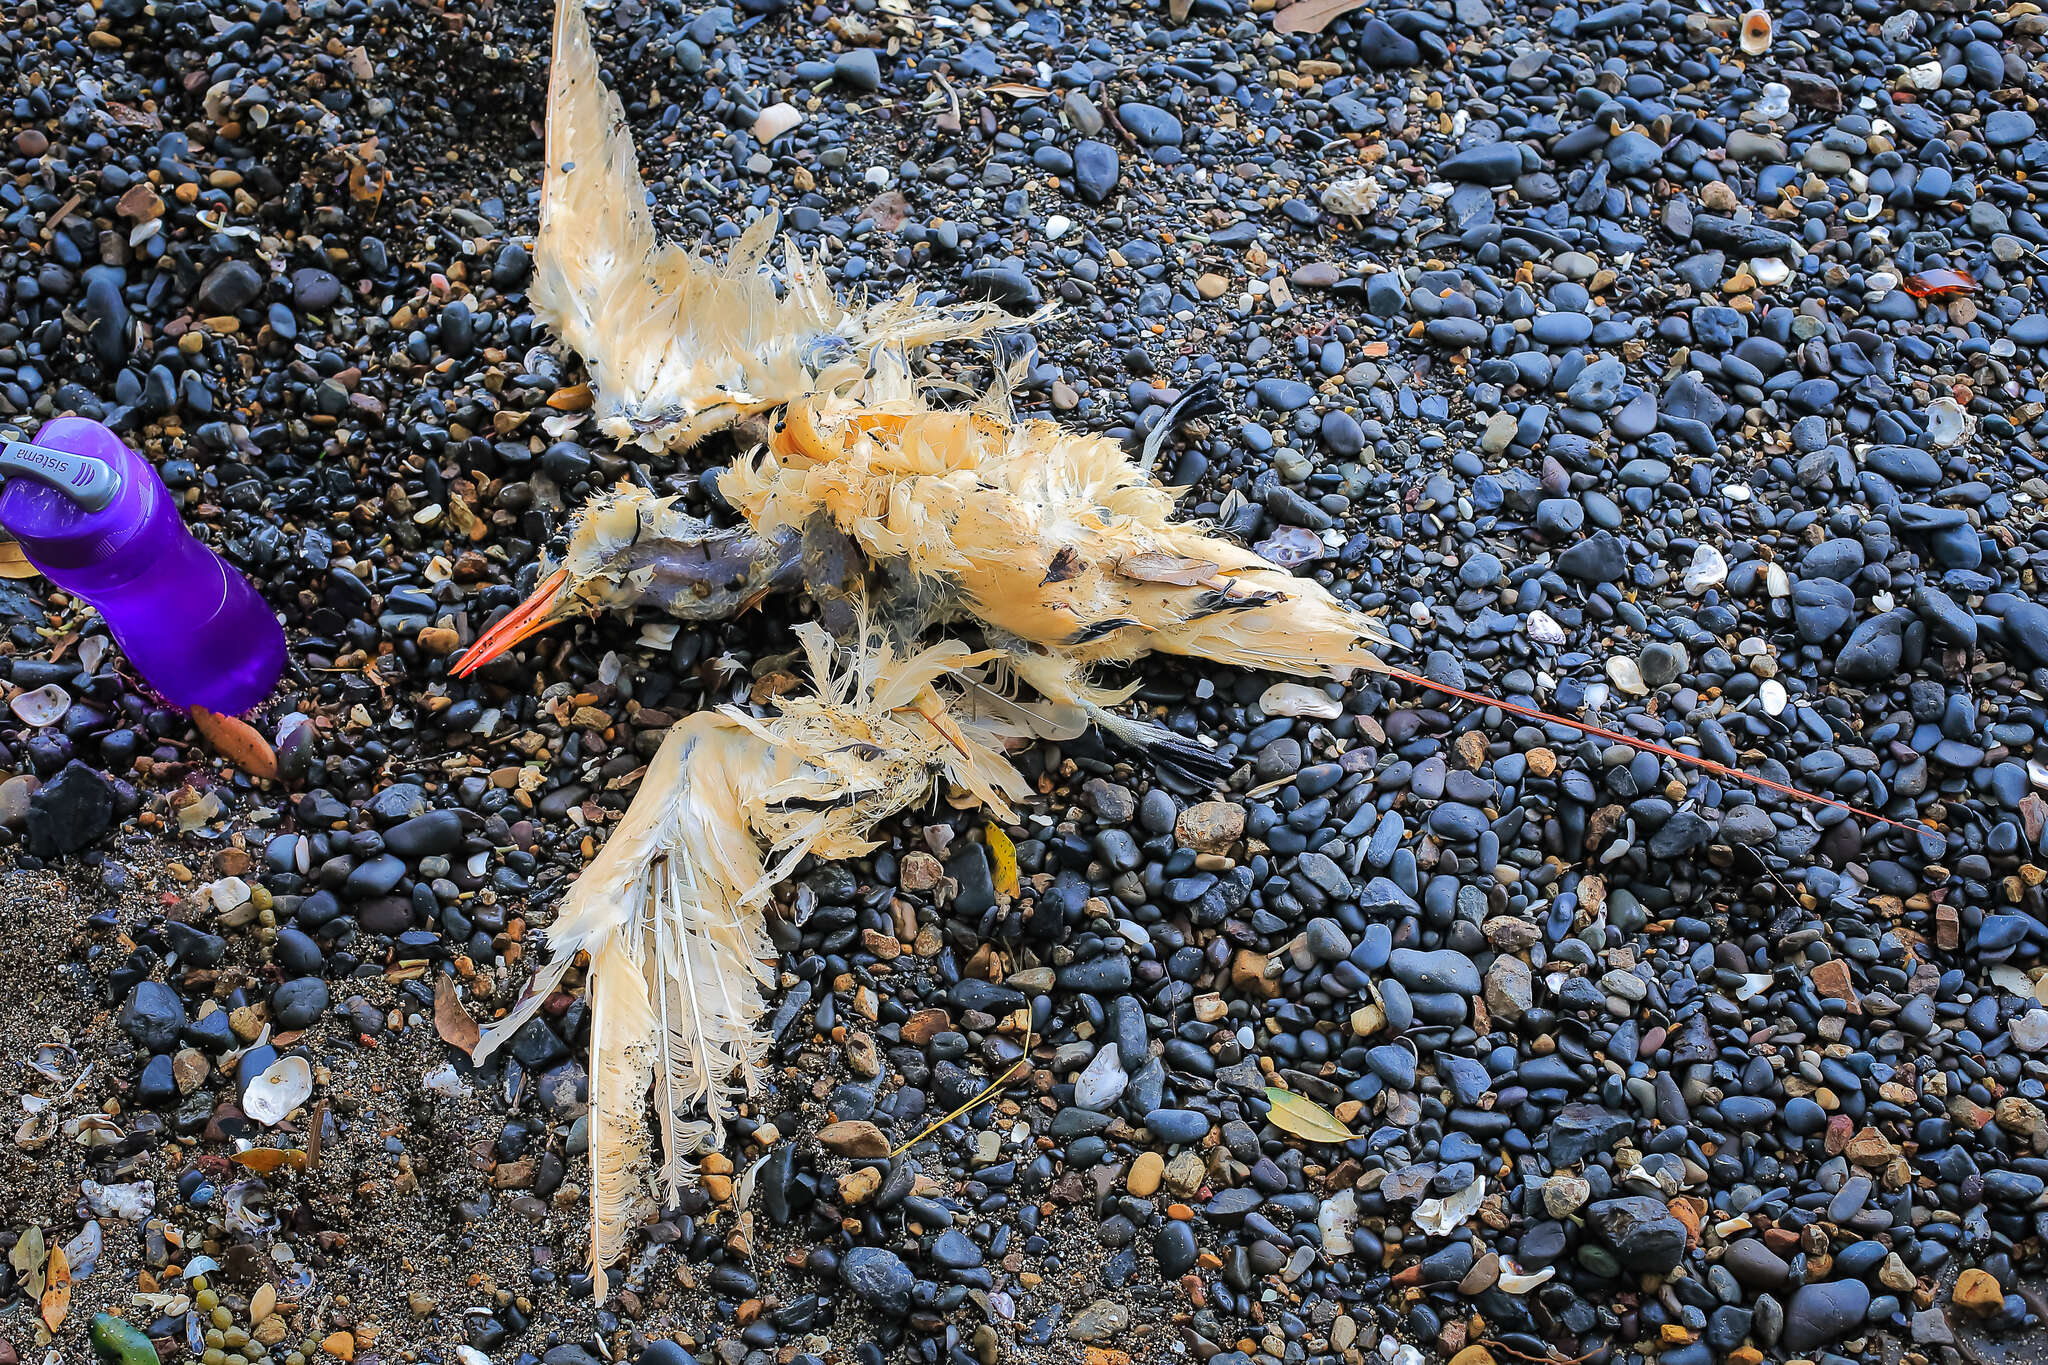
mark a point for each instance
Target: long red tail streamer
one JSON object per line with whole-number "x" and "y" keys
{"x": 1647, "y": 746}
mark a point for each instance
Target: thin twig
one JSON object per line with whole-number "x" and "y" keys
{"x": 991, "y": 1088}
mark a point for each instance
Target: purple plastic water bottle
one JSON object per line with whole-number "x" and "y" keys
{"x": 95, "y": 518}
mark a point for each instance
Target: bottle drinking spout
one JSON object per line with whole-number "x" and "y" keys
{"x": 93, "y": 516}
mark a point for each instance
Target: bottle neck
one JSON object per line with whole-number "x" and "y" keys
{"x": 88, "y": 482}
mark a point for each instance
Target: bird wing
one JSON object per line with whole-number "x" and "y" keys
{"x": 677, "y": 345}
{"x": 670, "y": 910}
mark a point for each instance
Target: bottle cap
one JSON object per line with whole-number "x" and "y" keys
{"x": 71, "y": 496}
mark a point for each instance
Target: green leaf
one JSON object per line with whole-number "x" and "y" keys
{"x": 1305, "y": 1118}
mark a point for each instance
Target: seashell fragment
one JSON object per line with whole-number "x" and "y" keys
{"x": 1709, "y": 569}
{"x": 1947, "y": 424}
{"x": 44, "y": 706}
{"x": 1756, "y": 33}
{"x": 282, "y": 1086}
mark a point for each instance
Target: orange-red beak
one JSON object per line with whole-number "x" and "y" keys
{"x": 530, "y": 617}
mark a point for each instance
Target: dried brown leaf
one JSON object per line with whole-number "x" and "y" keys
{"x": 1018, "y": 90}
{"x": 237, "y": 742}
{"x": 888, "y": 210}
{"x": 130, "y": 117}
{"x": 1312, "y": 16}
{"x": 452, "y": 1021}
{"x": 14, "y": 563}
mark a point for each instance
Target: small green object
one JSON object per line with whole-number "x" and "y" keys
{"x": 121, "y": 1343}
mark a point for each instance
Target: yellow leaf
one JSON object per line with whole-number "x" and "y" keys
{"x": 1305, "y": 1118}
{"x": 13, "y": 563}
{"x": 1003, "y": 854}
{"x": 57, "y": 1298}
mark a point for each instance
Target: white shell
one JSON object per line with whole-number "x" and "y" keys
{"x": 1544, "y": 630}
{"x": 1756, "y": 33}
{"x": 1335, "y": 1219}
{"x": 1626, "y": 676}
{"x": 1356, "y": 194}
{"x": 446, "y": 1082}
{"x": 1776, "y": 581}
{"x": 284, "y": 1085}
{"x": 1770, "y": 270}
{"x": 44, "y": 706}
{"x": 1441, "y": 1217}
{"x": 1298, "y": 699}
{"x": 130, "y": 1203}
{"x": 1947, "y": 425}
{"x": 1515, "y": 1282}
{"x": 1775, "y": 103}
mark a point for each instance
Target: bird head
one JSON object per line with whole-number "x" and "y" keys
{"x": 628, "y": 549}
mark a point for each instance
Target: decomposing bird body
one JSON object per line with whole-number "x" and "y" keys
{"x": 897, "y": 518}
{"x": 1054, "y": 543}
{"x": 1063, "y": 552}
{"x": 669, "y": 912}
{"x": 678, "y": 346}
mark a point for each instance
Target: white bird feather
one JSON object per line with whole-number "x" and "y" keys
{"x": 677, "y": 345}
{"x": 669, "y": 912}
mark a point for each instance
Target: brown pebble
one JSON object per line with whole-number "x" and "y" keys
{"x": 854, "y": 1138}
{"x": 31, "y": 142}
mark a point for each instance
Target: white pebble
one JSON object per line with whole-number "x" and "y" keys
{"x": 1297, "y": 699}
{"x": 776, "y": 120}
{"x": 1709, "y": 569}
{"x": 1772, "y": 696}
